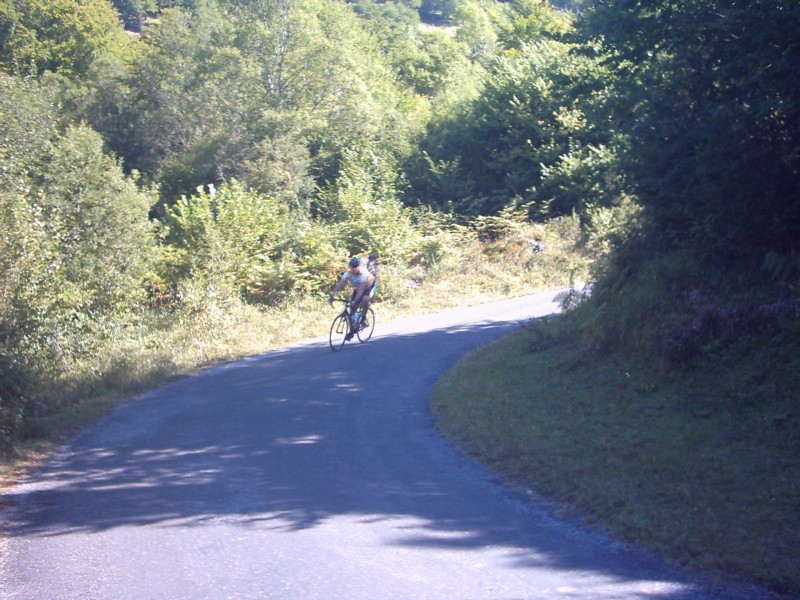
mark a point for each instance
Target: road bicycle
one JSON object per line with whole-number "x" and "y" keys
{"x": 352, "y": 321}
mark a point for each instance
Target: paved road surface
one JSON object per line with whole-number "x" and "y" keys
{"x": 306, "y": 474}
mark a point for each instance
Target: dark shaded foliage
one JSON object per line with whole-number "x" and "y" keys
{"x": 714, "y": 120}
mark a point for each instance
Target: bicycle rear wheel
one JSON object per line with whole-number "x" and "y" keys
{"x": 339, "y": 330}
{"x": 365, "y": 329}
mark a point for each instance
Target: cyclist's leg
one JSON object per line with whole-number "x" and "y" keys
{"x": 366, "y": 299}
{"x": 352, "y": 332}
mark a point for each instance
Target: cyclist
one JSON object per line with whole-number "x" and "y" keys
{"x": 363, "y": 282}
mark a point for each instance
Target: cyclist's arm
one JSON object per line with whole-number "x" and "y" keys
{"x": 339, "y": 285}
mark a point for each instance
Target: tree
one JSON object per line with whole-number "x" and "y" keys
{"x": 715, "y": 123}
{"x": 267, "y": 93}
{"x": 529, "y": 20}
{"x": 323, "y": 75}
{"x": 57, "y": 35}
{"x": 477, "y": 29}
{"x": 76, "y": 240}
{"x": 526, "y": 140}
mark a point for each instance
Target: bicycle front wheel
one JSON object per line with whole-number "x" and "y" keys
{"x": 366, "y": 327}
{"x": 339, "y": 330}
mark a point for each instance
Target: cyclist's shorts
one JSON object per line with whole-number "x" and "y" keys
{"x": 370, "y": 292}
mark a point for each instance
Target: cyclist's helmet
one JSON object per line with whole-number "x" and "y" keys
{"x": 355, "y": 262}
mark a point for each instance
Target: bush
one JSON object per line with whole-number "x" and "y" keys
{"x": 364, "y": 210}
{"x": 671, "y": 307}
{"x": 75, "y": 248}
{"x": 443, "y": 242}
{"x": 228, "y": 243}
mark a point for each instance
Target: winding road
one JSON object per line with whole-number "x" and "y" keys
{"x": 307, "y": 474}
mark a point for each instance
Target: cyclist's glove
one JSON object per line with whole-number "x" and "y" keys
{"x": 330, "y": 299}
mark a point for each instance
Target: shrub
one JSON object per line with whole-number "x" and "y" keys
{"x": 364, "y": 209}
{"x": 228, "y": 243}
{"x": 76, "y": 249}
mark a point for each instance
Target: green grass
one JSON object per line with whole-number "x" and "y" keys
{"x": 702, "y": 466}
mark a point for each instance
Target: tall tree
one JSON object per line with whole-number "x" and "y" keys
{"x": 76, "y": 241}
{"x": 528, "y": 20}
{"x": 57, "y": 35}
{"x": 714, "y": 105}
{"x": 268, "y": 92}
{"x": 526, "y": 140}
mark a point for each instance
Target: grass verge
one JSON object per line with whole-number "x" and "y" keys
{"x": 702, "y": 466}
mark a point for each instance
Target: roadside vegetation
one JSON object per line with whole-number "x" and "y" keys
{"x": 696, "y": 459}
{"x": 490, "y": 259}
{"x": 182, "y": 180}
{"x": 186, "y": 188}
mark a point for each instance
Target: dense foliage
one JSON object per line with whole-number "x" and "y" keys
{"x": 65, "y": 36}
{"x": 171, "y": 155}
{"x": 708, "y": 103}
{"x": 76, "y": 244}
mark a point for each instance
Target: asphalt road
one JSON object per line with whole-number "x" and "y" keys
{"x": 307, "y": 474}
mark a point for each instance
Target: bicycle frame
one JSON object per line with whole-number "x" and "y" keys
{"x": 344, "y": 328}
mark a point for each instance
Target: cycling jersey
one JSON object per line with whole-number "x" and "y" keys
{"x": 357, "y": 280}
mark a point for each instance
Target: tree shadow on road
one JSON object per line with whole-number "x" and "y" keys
{"x": 297, "y": 439}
